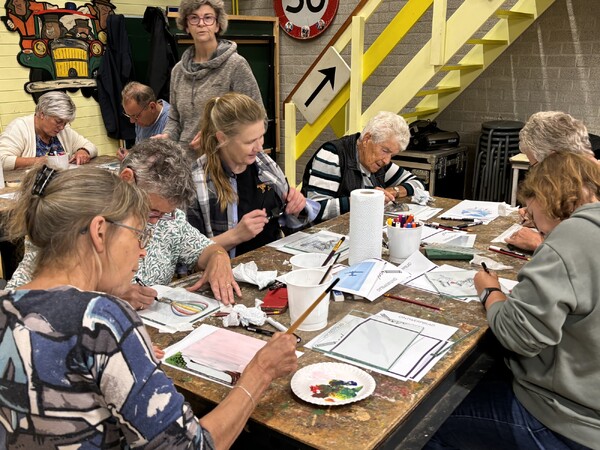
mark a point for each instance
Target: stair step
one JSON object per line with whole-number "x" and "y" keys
{"x": 488, "y": 41}
{"x": 514, "y": 14}
{"x": 462, "y": 67}
{"x": 420, "y": 112}
{"x": 437, "y": 90}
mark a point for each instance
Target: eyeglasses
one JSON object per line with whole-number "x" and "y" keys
{"x": 161, "y": 216}
{"x": 135, "y": 117}
{"x": 208, "y": 20}
{"x": 143, "y": 236}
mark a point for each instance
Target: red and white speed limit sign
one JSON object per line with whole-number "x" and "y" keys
{"x": 305, "y": 19}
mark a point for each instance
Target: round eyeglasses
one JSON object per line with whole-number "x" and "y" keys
{"x": 208, "y": 19}
{"x": 143, "y": 236}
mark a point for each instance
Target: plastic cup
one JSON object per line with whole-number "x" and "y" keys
{"x": 309, "y": 261}
{"x": 58, "y": 162}
{"x": 403, "y": 242}
{"x": 303, "y": 289}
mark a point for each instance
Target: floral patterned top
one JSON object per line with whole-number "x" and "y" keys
{"x": 173, "y": 242}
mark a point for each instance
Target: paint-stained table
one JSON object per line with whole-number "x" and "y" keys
{"x": 386, "y": 419}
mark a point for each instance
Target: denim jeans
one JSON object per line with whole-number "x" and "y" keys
{"x": 491, "y": 417}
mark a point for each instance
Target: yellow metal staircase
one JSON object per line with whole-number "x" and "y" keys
{"x": 430, "y": 81}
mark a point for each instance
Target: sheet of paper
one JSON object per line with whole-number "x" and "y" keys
{"x": 473, "y": 209}
{"x": 301, "y": 242}
{"x": 423, "y": 283}
{"x": 422, "y": 212}
{"x": 509, "y": 232}
{"x": 360, "y": 278}
{"x": 161, "y": 315}
{"x": 451, "y": 237}
{"x": 411, "y": 364}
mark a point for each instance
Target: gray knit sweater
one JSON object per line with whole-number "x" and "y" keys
{"x": 193, "y": 84}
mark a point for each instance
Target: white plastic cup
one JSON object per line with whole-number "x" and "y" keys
{"x": 303, "y": 289}
{"x": 309, "y": 261}
{"x": 403, "y": 242}
{"x": 58, "y": 162}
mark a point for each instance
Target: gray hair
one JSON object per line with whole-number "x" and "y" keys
{"x": 139, "y": 93}
{"x": 54, "y": 220}
{"x": 56, "y": 104}
{"x": 187, "y": 7}
{"x": 387, "y": 125}
{"x": 547, "y": 132}
{"x": 161, "y": 168}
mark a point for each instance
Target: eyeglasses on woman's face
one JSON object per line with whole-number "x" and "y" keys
{"x": 207, "y": 19}
{"x": 143, "y": 236}
{"x": 161, "y": 215}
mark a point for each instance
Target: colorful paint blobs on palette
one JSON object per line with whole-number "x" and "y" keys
{"x": 336, "y": 390}
{"x": 332, "y": 384}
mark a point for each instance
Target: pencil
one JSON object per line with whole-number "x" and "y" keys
{"x": 310, "y": 309}
{"x": 509, "y": 252}
{"x": 414, "y": 302}
{"x": 335, "y": 248}
{"x": 485, "y": 267}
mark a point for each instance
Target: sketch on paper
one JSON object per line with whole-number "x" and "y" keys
{"x": 453, "y": 283}
{"x": 320, "y": 242}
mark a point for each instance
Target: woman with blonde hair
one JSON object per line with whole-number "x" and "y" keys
{"x": 77, "y": 366}
{"x": 548, "y": 323}
{"x": 243, "y": 197}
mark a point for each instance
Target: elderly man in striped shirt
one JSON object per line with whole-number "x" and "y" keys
{"x": 358, "y": 161}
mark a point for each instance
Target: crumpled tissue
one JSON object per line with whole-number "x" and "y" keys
{"x": 489, "y": 262}
{"x": 249, "y": 273}
{"x": 241, "y": 314}
{"x": 422, "y": 197}
{"x": 504, "y": 209}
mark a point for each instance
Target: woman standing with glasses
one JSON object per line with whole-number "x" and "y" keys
{"x": 77, "y": 366}
{"x": 243, "y": 196}
{"x": 27, "y": 141}
{"x": 209, "y": 68}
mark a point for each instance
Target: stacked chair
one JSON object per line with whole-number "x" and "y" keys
{"x": 499, "y": 141}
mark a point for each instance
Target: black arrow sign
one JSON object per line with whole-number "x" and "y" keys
{"x": 329, "y": 76}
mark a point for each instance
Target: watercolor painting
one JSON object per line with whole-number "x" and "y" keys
{"x": 318, "y": 243}
{"x": 453, "y": 283}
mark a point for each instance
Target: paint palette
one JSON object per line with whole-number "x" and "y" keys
{"x": 332, "y": 384}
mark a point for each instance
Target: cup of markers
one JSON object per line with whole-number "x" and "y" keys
{"x": 404, "y": 237}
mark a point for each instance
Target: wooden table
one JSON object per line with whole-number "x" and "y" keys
{"x": 389, "y": 415}
{"x": 10, "y": 251}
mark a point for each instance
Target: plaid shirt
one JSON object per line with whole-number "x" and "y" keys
{"x": 268, "y": 172}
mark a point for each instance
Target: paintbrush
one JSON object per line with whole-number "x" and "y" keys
{"x": 335, "y": 248}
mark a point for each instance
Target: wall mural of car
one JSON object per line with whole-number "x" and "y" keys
{"x": 66, "y": 46}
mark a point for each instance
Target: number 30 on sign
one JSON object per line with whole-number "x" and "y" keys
{"x": 305, "y": 19}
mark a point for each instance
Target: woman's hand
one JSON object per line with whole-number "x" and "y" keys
{"x": 80, "y": 157}
{"x": 251, "y": 225}
{"x": 296, "y": 202}
{"x": 139, "y": 297}
{"x": 525, "y": 238}
{"x": 278, "y": 358}
{"x": 158, "y": 352}
{"x": 219, "y": 275}
{"x": 485, "y": 279}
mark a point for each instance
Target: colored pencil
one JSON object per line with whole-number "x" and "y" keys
{"x": 506, "y": 252}
{"x": 414, "y": 302}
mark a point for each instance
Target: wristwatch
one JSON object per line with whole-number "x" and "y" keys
{"x": 486, "y": 293}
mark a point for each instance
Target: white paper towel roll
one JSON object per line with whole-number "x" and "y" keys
{"x": 366, "y": 224}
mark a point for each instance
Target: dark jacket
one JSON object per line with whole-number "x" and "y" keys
{"x": 116, "y": 69}
{"x": 163, "y": 51}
